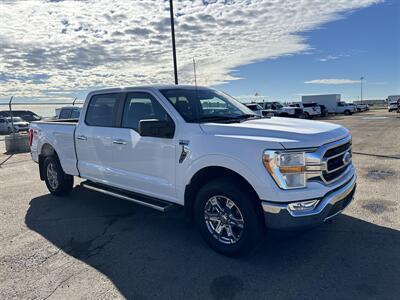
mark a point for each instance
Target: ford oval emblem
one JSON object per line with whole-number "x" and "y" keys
{"x": 347, "y": 157}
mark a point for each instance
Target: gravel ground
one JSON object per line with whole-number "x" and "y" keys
{"x": 89, "y": 245}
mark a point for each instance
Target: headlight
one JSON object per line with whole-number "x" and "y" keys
{"x": 287, "y": 168}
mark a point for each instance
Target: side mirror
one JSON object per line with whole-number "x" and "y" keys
{"x": 157, "y": 128}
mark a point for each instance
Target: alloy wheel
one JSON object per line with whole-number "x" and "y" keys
{"x": 224, "y": 219}
{"x": 52, "y": 176}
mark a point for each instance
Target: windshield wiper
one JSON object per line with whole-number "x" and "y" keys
{"x": 216, "y": 118}
{"x": 237, "y": 118}
{"x": 248, "y": 116}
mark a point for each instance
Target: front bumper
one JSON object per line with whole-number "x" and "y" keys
{"x": 278, "y": 216}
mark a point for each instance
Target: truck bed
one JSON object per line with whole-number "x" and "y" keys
{"x": 60, "y": 134}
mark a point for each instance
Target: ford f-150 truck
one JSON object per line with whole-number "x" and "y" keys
{"x": 232, "y": 171}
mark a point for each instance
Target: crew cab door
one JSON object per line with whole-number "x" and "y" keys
{"x": 144, "y": 164}
{"x": 94, "y": 137}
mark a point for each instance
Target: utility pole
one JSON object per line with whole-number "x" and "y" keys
{"x": 361, "y": 82}
{"x": 171, "y": 10}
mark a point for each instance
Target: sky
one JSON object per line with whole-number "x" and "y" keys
{"x": 55, "y": 50}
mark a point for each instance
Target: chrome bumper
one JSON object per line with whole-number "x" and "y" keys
{"x": 279, "y": 216}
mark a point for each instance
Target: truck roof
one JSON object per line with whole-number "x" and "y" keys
{"x": 147, "y": 87}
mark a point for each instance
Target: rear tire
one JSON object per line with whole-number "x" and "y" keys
{"x": 58, "y": 183}
{"x": 228, "y": 217}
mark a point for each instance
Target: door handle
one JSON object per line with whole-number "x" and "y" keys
{"x": 81, "y": 138}
{"x": 119, "y": 142}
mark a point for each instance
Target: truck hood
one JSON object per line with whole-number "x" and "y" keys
{"x": 20, "y": 123}
{"x": 290, "y": 133}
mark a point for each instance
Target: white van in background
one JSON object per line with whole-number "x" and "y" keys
{"x": 393, "y": 102}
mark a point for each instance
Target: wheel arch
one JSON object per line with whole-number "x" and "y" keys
{"x": 207, "y": 174}
{"x": 46, "y": 150}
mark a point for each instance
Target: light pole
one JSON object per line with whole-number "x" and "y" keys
{"x": 12, "y": 117}
{"x": 361, "y": 82}
{"x": 171, "y": 10}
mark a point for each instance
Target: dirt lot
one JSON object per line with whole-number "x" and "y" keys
{"x": 89, "y": 245}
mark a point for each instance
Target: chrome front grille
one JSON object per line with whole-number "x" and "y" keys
{"x": 330, "y": 162}
{"x": 337, "y": 159}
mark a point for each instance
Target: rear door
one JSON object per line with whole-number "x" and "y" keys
{"x": 144, "y": 164}
{"x": 94, "y": 137}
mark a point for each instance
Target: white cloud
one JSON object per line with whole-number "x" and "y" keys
{"x": 332, "y": 81}
{"x": 70, "y": 45}
{"x": 332, "y": 57}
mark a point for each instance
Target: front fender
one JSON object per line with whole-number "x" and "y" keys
{"x": 257, "y": 181}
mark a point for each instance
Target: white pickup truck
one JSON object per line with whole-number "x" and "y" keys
{"x": 232, "y": 171}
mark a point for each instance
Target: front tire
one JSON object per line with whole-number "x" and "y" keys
{"x": 58, "y": 183}
{"x": 347, "y": 112}
{"x": 228, "y": 217}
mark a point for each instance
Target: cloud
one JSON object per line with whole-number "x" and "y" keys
{"x": 329, "y": 57}
{"x": 332, "y": 81}
{"x": 80, "y": 45}
{"x": 332, "y": 57}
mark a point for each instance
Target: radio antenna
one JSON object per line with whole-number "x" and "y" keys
{"x": 194, "y": 71}
{"x": 73, "y": 102}
{"x": 195, "y": 84}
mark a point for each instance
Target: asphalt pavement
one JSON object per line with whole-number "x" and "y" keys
{"x": 92, "y": 246}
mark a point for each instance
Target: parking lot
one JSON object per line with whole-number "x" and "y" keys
{"x": 89, "y": 245}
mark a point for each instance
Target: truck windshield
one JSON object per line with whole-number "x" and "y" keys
{"x": 206, "y": 105}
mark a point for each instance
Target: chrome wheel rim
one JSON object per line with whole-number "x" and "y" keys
{"x": 52, "y": 176}
{"x": 224, "y": 219}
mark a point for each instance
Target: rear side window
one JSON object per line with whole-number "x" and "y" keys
{"x": 65, "y": 113}
{"x": 102, "y": 110}
{"x": 310, "y": 105}
{"x": 75, "y": 114}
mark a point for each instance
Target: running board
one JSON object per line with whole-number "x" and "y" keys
{"x": 154, "y": 203}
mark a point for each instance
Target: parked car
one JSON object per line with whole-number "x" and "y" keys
{"x": 353, "y": 107}
{"x": 68, "y": 112}
{"x": 362, "y": 107}
{"x": 19, "y": 124}
{"x": 25, "y": 115}
{"x": 392, "y": 106}
{"x": 344, "y": 108}
{"x": 310, "y": 110}
{"x": 232, "y": 171}
{"x": 393, "y": 101}
{"x": 257, "y": 109}
{"x": 279, "y": 110}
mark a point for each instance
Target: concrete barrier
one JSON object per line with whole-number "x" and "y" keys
{"x": 17, "y": 143}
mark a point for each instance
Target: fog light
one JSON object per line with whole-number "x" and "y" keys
{"x": 303, "y": 205}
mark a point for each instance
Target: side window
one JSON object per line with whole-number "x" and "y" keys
{"x": 141, "y": 106}
{"x": 102, "y": 110}
{"x": 65, "y": 113}
{"x": 75, "y": 114}
{"x": 2, "y": 121}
